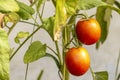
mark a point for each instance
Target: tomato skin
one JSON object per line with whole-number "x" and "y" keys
{"x": 88, "y": 31}
{"x": 77, "y": 61}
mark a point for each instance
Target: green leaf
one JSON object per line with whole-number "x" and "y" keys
{"x": 25, "y": 11}
{"x": 8, "y": 6}
{"x": 17, "y": 40}
{"x": 60, "y": 18}
{"x": 21, "y": 35}
{"x": 103, "y": 16}
{"x": 88, "y": 4}
{"x": 71, "y": 6}
{"x": 101, "y": 75}
{"x": 48, "y": 25}
{"x": 35, "y": 51}
{"x": 4, "y": 56}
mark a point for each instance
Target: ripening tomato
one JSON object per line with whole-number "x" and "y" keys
{"x": 88, "y": 31}
{"x": 77, "y": 61}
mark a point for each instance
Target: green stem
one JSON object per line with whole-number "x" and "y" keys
{"x": 52, "y": 50}
{"x": 64, "y": 69}
{"x": 26, "y": 71}
{"x": 34, "y": 20}
{"x": 85, "y": 16}
{"x": 30, "y": 43}
{"x": 92, "y": 73}
{"x": 11, "y": 28}
{"x": 66, "y": 42}
{"x": 116, "y": 72}
{"x": 58, "y": 51}
{"x": 59, "y": 73}
{"x": 29, "y": 23}
{"x": 40, "y": 15}
{"x": 40, "y": 75}
{"x": 42, "y": 12}
{"x": 7, "y": 26}
{"x": 25, "y": 42}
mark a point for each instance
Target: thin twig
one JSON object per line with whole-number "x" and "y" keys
{"x": 59, "y": 74}
{"x": 25, "y": 42}
{"x": 118, "y": 60}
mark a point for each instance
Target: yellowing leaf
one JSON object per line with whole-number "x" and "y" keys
{"x": 4, "y": 56}
{"x": 21, "y": 35}
{"x": 60, "y": 18}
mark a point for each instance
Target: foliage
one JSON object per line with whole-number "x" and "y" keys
{"x": 4, "y": 55}
{"x": 60, "y": 26}
{"x": 35, "y": 51}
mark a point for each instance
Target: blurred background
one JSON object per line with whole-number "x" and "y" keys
{"x": 103, "y": 59}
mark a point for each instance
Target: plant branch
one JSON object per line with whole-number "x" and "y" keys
{"x": 25, "y": 42}
{"x": 117, "y": 66}
{"x": 52, "y": 50}
{"x": 11, "y": 28}
{"x": 57, "y": 48}
{"x": 42, "y": 11}
{"x": 26, "y": 71}
{"x": 40, "y": 75}
{"x": 29, "y": 23}
{"x": 59, "y": 75}
{"x": 92, "y": 73}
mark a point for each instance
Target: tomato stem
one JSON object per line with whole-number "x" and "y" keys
{"x": 84, "y": 16}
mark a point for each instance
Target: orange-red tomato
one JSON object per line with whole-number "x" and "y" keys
{"x": 88, "y": 31}
{"x": 77, "y": 61}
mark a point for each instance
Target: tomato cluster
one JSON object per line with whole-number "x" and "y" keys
{"x": 77, "y": 59}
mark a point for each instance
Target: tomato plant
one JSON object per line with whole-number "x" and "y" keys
{"x": 77, "y": 61}
{"x": 63, "y": 31}
{"x": 88, "y": 31}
